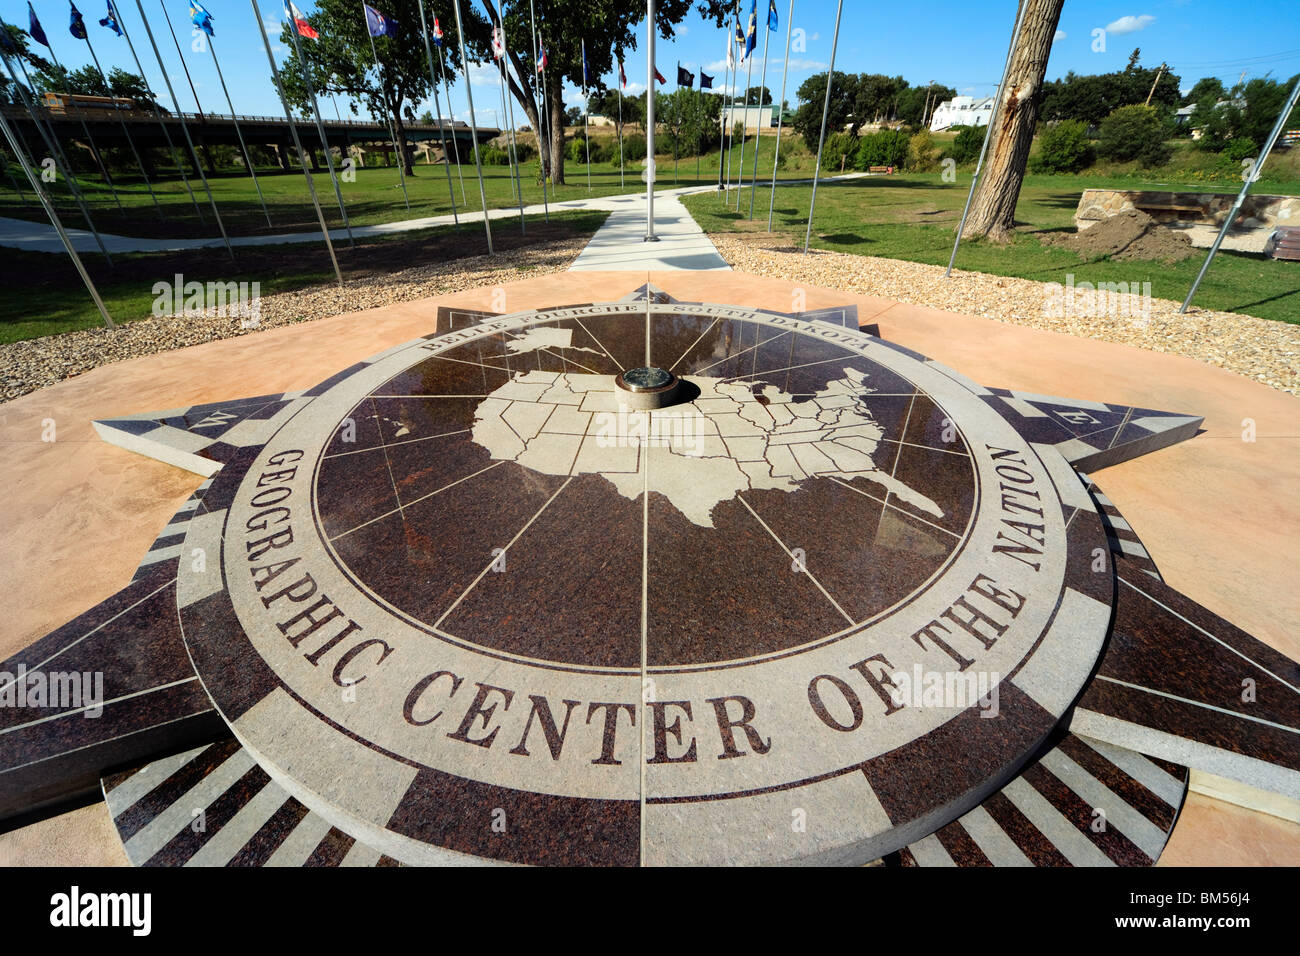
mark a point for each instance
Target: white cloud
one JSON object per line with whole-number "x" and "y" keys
{"x": 1130, "y": 24}
{"x": 1060, "y": 35}
{"x": 481, "y": 74}
{"x": 634, "y": 89}
{"x": 807, "y": 65}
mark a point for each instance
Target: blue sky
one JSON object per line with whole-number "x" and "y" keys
{"x": 960, "y": 43}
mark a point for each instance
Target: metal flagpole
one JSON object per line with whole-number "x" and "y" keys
{"x": 722, "y": 117}
{"x": 320, "y": 130}
{"x": 293, "y": 130}
{"x": 749, "y": 81}
{"x": 988, "y": 130}
{"x": 473, "y": 124}
{"x": 400, "y": 148}
{"x": 677, "y": 111}
{"x": 821, "y": 141}
{"x": 586, "y": 113}
{"x": 442, "y": 132}
{"x": 650, "y": 127}
{"x": 538, "y": 107}
{"x": 90, "y": 139}
{"x": 153, "y": 108}
{"x": 442, "y": 71}
{"x": 186, "y": 130}
{"x": 762, "y": 85}
{"x": 125, "y": 132}
{"x": 550, "y": 123}
{"x": 54, "y": 218}
{"x": 622, "y": 175}
{"x": 510, "y": 143}
{"x": 501, "y": 124}
{"x": 248, "y": 160}
{"x": 1245, "y": 188}
{"x": 180, "y": 56}
{"x": 52, "y": 143}
{"x": 780, "y": 119}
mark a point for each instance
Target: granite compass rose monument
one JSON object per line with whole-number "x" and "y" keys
{"x": 651, "y": 582}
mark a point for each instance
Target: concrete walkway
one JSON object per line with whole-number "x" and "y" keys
{"x": 684, "y": 244}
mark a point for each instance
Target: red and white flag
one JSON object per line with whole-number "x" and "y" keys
{"x": 622, "y": 77}
{"x": 498, "y": 43}
{"x": 299, "y": 21}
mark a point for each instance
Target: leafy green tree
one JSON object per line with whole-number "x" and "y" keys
{"x": 1134, "y": 132}
{"x": 885, "y": 148}
{"x": 807, "y": 120}
{"x": 1063, "y": 148}
{"x": 914, "y": 102}
{"x": 876, "y": 98}
{"x": 1207, "y": 86}
{"x": 758, "y": 96}
{"x": 966, "y": 145}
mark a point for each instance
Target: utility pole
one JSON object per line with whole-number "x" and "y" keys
{"x": 1159, "y": 73}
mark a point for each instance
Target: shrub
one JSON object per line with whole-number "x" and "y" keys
{"x": 1134, "y": 132}
{"x": 1063, "y": 148}
{"x": 633, "y": 148}
{"x": 966, "y": 147}
{"x": 839, "y": 152}
{"x": 1240, "y": 148}
{"x": 920, "y": 152}
{"x": 885, "y": 148}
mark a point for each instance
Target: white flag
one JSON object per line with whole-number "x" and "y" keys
{"x": 731, "y": 54}
{"x": 498, "y": 43}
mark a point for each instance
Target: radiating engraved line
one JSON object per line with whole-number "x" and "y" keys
{"x": 790, "y": 554}
{"x": 1119, "y": 429}
{"x": 728, "y": 358}
{"x": 892, "y": 471}
{"x": 115, "y": 700}
{"x": 168, "y": 583}
{"x": 791, "y": 368}
{"x": 488, "y": 567}
{"x": 608, "y": 354}
{"x": 379, "y": 425}
{"x": 692, "y": 345}
{"x": 1202, "y": 704}
{"x": 1217, "y": 640}
{"x": 645, "y": 632}
{"x": 408, "y": 441}
{"x": 416, "y": 501}
{"x": 906, "y": 514}
{"x": 912, "y": 444}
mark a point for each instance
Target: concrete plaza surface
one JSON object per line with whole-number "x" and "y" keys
{"x": 1219, "y": 513}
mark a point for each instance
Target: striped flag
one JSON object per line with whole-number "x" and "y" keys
{"x": 299, "y": 21}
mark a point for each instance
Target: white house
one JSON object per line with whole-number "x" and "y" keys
{"x": 962, "y": 111}
{"x": 754, "y": 117}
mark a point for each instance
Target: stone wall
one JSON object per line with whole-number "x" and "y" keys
{"x": 1207, "y": 209}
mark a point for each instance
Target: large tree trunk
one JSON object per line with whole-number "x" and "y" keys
{"x": 993, "y": 210}
{"x": 557, "y": 133}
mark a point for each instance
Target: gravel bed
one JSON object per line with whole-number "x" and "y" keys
{"x": 1260, "y": 349}
{"x": 34, "y": 363}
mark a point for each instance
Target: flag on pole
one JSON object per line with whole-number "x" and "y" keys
{"x": 659, "y": 76}
{"x": 622, "y": 77}
{"x": 437, "y": 31}
{"x": 751, "y": 35}
{"x": 731, "y": 53}
{"x": 378, "y": 24}
{"x": 586, "y": 72}
{"x": 740, "y": 40}
{"x": 110, "y": 21}
{"x": 299, "y": 21}
{"x": 77, "y": 27}
{"x": 685, "y": 77}
{"x": 34, "y": 28}
{"x": 200, "y": 17}
{"x": 772, "y": 19}
{"x": 498, "y": 43}
{"x": 541, "y": 57}
{"x": 706, "y": 81}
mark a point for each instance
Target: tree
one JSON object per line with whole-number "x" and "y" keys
{"x": 341, "y": 62}
{"x": 1207, "y": 86}
{"x": 876, "y": 98}
{"x": 758, "y": 96}
{"x": 917, "y": 103}
{"x": 1063, "y": 148}
{"x": 993, "y": 209}
{"x": 807, "y": 120}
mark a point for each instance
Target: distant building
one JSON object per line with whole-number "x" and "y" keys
{"x": 598, "y": 119}
{"x": 961, "y": 111}
{"x": 754, "y": 117}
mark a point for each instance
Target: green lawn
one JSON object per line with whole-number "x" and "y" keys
{"x": 47, "y": 297}
{"x": 914, "y": 217}
{"x": 374, "y": 197}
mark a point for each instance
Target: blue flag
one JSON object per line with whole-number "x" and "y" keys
{"x": 751, "y": 35}
{"x": 200, "y": 17}
{"x": 706, "y": 81}
{"x": 772, "y": 19}
{"x": 34, "y": 28}
{"x": 378, "y": 24}
{"x": 585, "y": 71}
{"x": 110, "y": 21}
{"x": 77, "y": 27}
